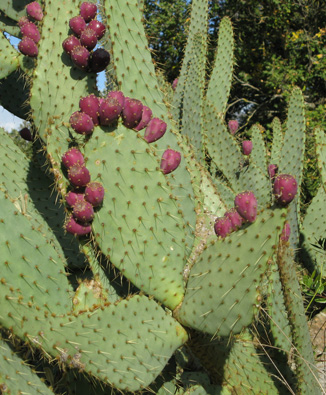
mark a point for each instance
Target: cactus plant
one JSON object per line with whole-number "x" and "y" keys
{"x": 110, "y": 266}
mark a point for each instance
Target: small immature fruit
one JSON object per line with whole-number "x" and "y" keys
{"x": 77, "y": 24}
{"x": 109, "y": 111}
{"x": 132, "y": 112}
{"x": 247, "y": 147}
{"x": 222, "y": 226}
{"x": 28, "y": 47}
{"x": 34, "y": 10}
{"x": 285, "y": 188}
{"x": 79, "y": 175}
{"x": 70, "y": 43}
{"x": 88, "y": 11}
{"x": 286, "y": 232}
{"x": 98, "y": 28}
{"x": 26, "y": 134}
{"x": 90, "y": 105}
{"x": 72, "y": 157}
{"x": 88, "y": 39}
{"x": 170, "y": 161}
{"x": 99, "y": 60}
{"x": 81, "y": 123}
{"x": 73, "y": 227}
{"x": 272, "y": 170}
{"x": 83, "y": 211}
{"x": 246, "y": 205}
{"x": 233, "y": 126}
{"x": 155, "y": 130}
{"x": 145, "y": 118}
{"x": 80, "y": 57}
{"x": 235, "y": 218}
{"x": 174, "y": 84}
{"x": 30, "y": 30}
{"x": 94, "y": 193}
{"x": 73, "y": 197}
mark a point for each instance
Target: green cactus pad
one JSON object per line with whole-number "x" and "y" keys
{"x": 321, "y": 153}
{"x": 277, "y": 141}
{"x": 258, "y": 153}
{"x": 222, "y": 288}
{"x": 14, "y": 9}
{"x": 8, "y": 25}
{"x": 10, "y": 57}
{"x": 140, "y": 226}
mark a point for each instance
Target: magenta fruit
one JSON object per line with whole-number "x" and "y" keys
{"x": 155, "y": 130}
{"x": 77, "y": 25}
{"x": 81, "y": 123}
{"x": 94, "y": 193}
{"x": 88, "y": 11}
{"x": 109, "y": 111}
{"x": 132, "y": 112}
{"x": 73, "y": 227}
{"x": 117, "y": 95}
{"x": 88, "y": 39}
{"x": 99, "y": 60}
{"x": 145, "y": 118}
{"x": 233, "y": 126}
{"x": 285, "y": 188}
{"x": 272, "y": 170}
{"x": 246, "y": 205}
{"x": 80, "y": 56}
{"x": 28, "y": 47}
{"x": 79, "y": 175}
{"x": 26, "y": 134}
{"x": 286, "y": 232}
{"x": 73, "y": 197}
{"x": 235, "y": 218}
{"x": 222, "y": 226}
{"x": 72, "y": 157}
{"x": 170, "y": 161}
{"x": 70, "y": 43}
{"x": 98, "y": 28}
{"x": 22, "y": 21}
{"x": 83, "y": 211}
{"x": 30, "y": 30}
{"x": 90, "y": 106}
{"x": 247, "y": 147}
{"x": 174, "y": 84}
{"x": 34, "y": 10}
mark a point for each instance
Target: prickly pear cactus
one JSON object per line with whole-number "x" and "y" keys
{"x": 115, "y": 277}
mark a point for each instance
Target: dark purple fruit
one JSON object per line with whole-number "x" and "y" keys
{"x": 246, "y": 205}
{"x": 77, "y": 24}
{"x": 72, "y": 157}
{"x": 26, "y": 134}
{"x": 145, "y": 118}
{"x": 88, "y": 38}
{"x": 80, "y": 57}
{"x": 34, "y": 10}
{"x": 132, "y": 112}
{"x": 83, "y": 211}
{"x": 30, "y": 30}
{"x": 70, "y": 43}
{"x": 88, "y": 11}
{"x": 109, "y": 111}
{"x": 28, "y": 47}
{"x": 170, "y": 161}
{"x": 117, "y": 95}
{"x": 222, "y": 226}
{"x": 81, "y": 123}
{"x": 155, "y": 130}
{"x": 285, "y": 188}
{"x": 94, "y": 193}
{"x": 99, "y": 60}
{"x": 90, "y": 105}
{"x": 79, "y": 175}
{"x": 73, "y": 197}
{"x": 73, "y": 227}
{"x": 98, "y": 28}
{"x": 247, "y": 147}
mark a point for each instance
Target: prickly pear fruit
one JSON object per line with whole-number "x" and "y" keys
{"x": 99, "y": 60}
{"x": 246, "y": 205}
{"x": 174, "y": 84}
{"x": 145, "y": 118}
{"x": 34, "y": 10}
{"x": 28, "y": 47}
{"x": 72, "y": 226}
{"x": 83, "y": 211}
{"x": 77, "y": 25}
{"x": 88, "y": 11}
{"x": 286, "y": 232}
{"x": 73, "y": 197}
{"x": 30, "y": 30}
{"x": 109, "y": 111}
{"x": 88, "y": 38}
{"x": 70, "y": 43}
{"x": 26, "y": 134}
{"x": 81, "y": 123}
{"x": 132, "y": 112}
{"x": 98, "y": 28}
{"x": 90, "y": 106}
{"x": 235, "y": 218}
{"x": 222, "y": 226}
{"x": 80, "y": 57}
{"x": 272, "y": 170}
{"x": 247, "y": 147}
{"x": 170, "y": 161}
{"x": 79, "y": 175}
{"x": 94, "y": 193}
{"x": 117, "y": 95}
{"x": 72, "y": 157}
{"x": 233, "y": 126}
{"x": 155, "y": 130}
{"x": 285, "y": 188}
{"x": 22, "y": 21}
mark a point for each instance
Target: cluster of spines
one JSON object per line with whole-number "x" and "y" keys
{"x": 29, "y": 30}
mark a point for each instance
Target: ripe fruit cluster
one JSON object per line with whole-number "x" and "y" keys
{"x": 85, "y": 195}
{"x": 30, "y": 33}
{"x": 86, "y": 33}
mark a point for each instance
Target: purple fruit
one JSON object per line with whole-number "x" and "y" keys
{"x": 72, "y": 157}
{"x": 272, "y": 170}
{"x": 30, "y": 30}
{"x": 26, "y": 134}
{"x": 94, "y": 193}
{"x": 28, "y": 47}
{"x": 170, "y": 161}
{"x": 88, "y": 39}
{"x": 22, "y": 21}
{"x": 34, "y": 10}
{"x": 246, "y": 205}
{"x": 174, "y": 84}
{"x": 155, "y": 130}
{"x": 132, "y": 112}
{"x": 247, "y": 147}
{"x": 109, "y": 111}
{"x": 117, "y": 95}
{"x": 222, "y": 226}
{"x": 99, "y": 60}
{"x": 77, "y": 229}
{"x": 145, "y": 118}
{"x": 77, "y": 25}
{"x": 88, "y": 11}
{"x": 81, "y": 123}
{"x": 233, "y": 126}
{"x": 235, "y": 218}
{"x": 73, "y": 197}
{"x": 80, "y": 57}
{"x": 83, "y": 211}
{"x": 90, "y": 105}
{"x": 98, "y": 28}
{"x": 70, "y": 43}
{"x": 79, "y": 175}
{"x": 286, "y": 232}
{"x": 285, "y": 188}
